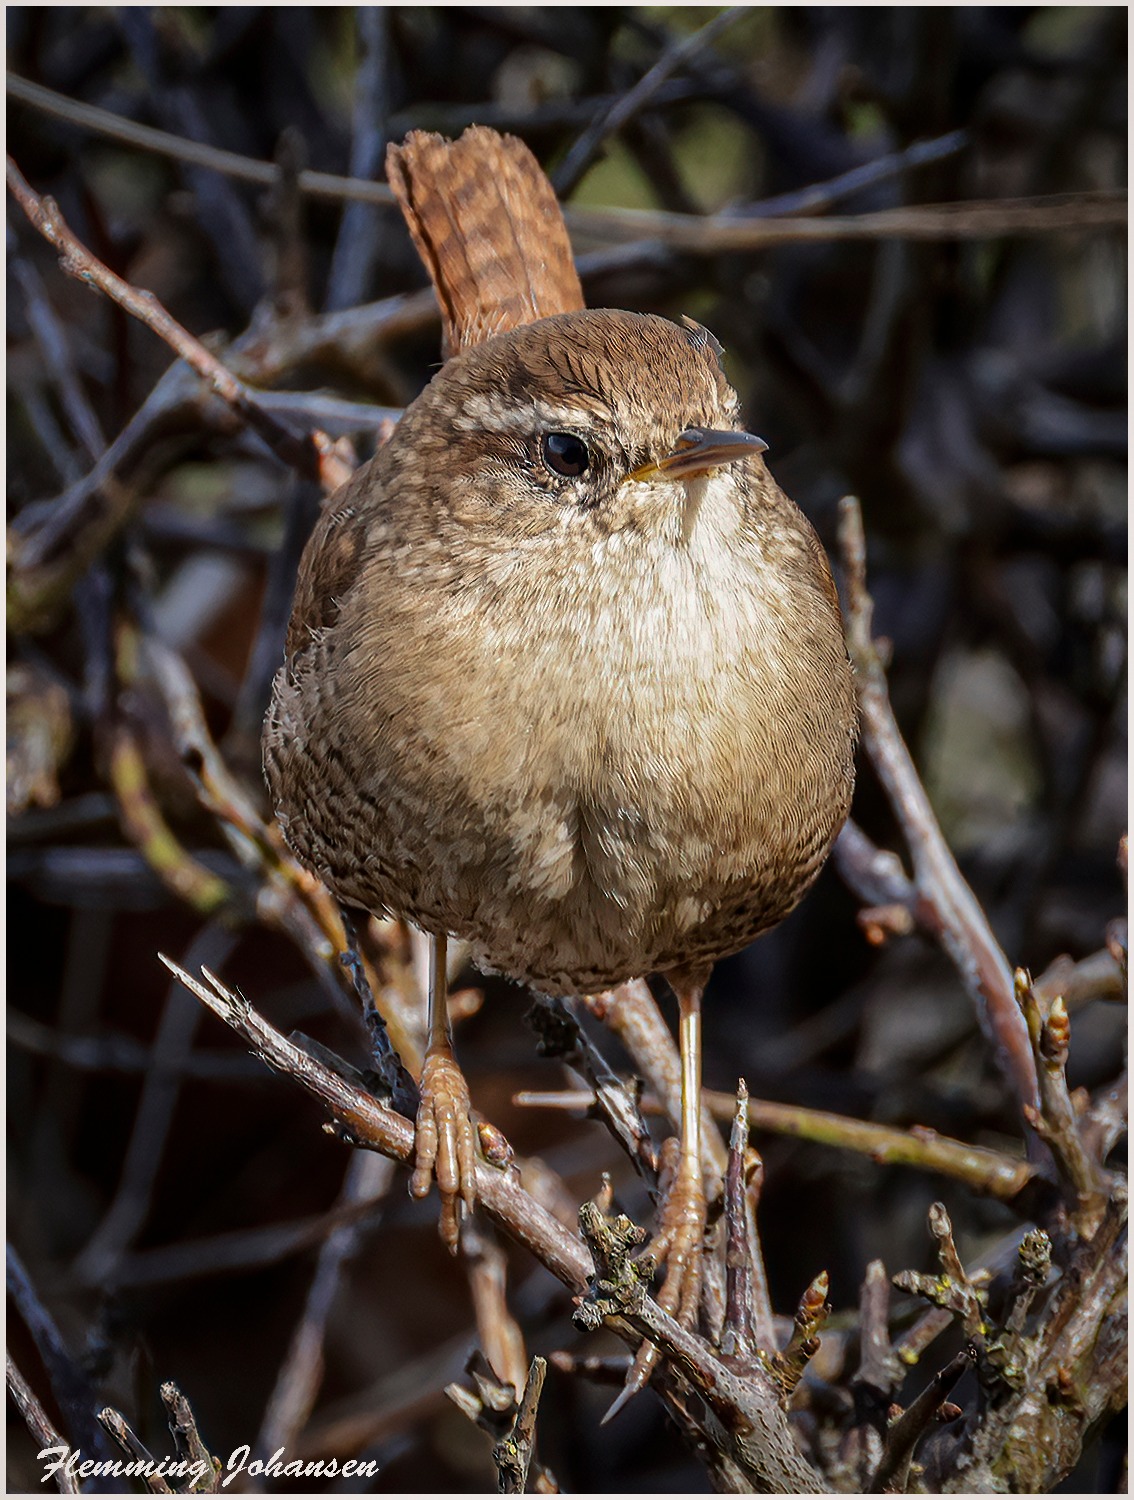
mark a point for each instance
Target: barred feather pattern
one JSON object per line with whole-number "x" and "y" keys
{"x": 487, "y": 225}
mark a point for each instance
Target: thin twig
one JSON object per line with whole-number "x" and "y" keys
{"x": 234, "y": 1250}
{"x": 975, "y": 219}
{"x": 1099, "y": 976}
{"x": 878, "y": 1377}
{"x": 153, "y": 1120}
{"x": 904, "y": 1435}
{"x": 500, "y": 1335}
{"x": 54, "y": 443}
{"x": 297, "y": 1384}
{"x": 739, "y": 1338}
{"x": 582, "y": 153}
{"x": 371, "y": 1125}
{"x": 313, "y": 455}
{"x": 45, "y": 525}
{"x": 39, "y": 1424}
{"x": 878, "y": 1368}
{"x": 221, "y": 212}
{"x": 410, "y": 1392}
{"x": 513, "y": 1454}
{"x": 874, "y": 875}
{"x": 952, "y": 1290}
{"x": 603, "y": 1369}
{"x": 392, "y": 1078}
{"x": 1054, "y": 1118}
{"x": 552, "y": 117}
{"x": 56, "y": 352}
{"x": 55, "y": 540}
{"x": 284, "y": 214}
{"x": 357, "y": 241}
{"x": 300, "y": 507}
{"x": 820, "y": 196}
{"x": 983, "y": 1169}
{"x": 614, "y": 1100}
{"x": 112, "y": 1052}
{"x": 131, "y": 1444}
{"x": 144, "y": 824}
{"x": 70, "y": 1385}
{"x": 187, "y": 1441}
{"x": 697, "y": 235}
{"x": 946, "y": 899}
{"x": 289, "y": 898}
{"x": 116, "y": 127}
{"x": 1105, "y": 1123}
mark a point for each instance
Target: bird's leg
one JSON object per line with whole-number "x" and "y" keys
{"x": 446, "y": 1138}
{"x": 682, "y": 1211}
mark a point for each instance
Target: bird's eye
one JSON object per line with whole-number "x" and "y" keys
{"x": 565, "y": 454}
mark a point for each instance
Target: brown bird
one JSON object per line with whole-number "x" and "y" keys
{"x": 565, "y": 676}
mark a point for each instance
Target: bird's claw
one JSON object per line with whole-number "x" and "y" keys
{"x": 679, "y": 1244}
{"x": 445, "y": 1142}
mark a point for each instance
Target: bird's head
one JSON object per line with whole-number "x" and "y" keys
{"x": 598, "y": 420}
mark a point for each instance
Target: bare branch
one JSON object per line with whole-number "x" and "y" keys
{"x": 742, "y": 1417}
{"x": 613, "y": 1101}
{"x": 945, "y": 899}
{"x": 313, "y": 456}
{"x": 300, "y": 1376}
{"x": 983, "y": 1169}
{"x": 153, "y": 1120}
{"x": 582, "y": 153}
{"x": 978, "y": 219}
{"x": 1055, "y": 1119}
{"x": 358, "y": 233}
{"x": 368, "y": 1123}
{"x": 952, "y": 1290}
{"x": 513, "y": 1454}
{"x": 632, "y": 1014}
{"x": 70, "y": 1384}
{"x": 1056, "y": 213}
{"x": 739, "y": 1339}
{"x": 906, "y": 1431}
{"x": 500, "y": 1336}
{"x": 39, "y": 1424}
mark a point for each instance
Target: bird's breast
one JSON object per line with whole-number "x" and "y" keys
{"x": 678, "y": 729}
{"x": 590, "y": 761}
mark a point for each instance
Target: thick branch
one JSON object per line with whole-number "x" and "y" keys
{"x": 741, "y": 1417}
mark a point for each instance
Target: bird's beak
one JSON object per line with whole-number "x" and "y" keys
{"x": 698, "y": 450}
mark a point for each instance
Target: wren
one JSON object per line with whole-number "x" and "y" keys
{"x": 566, "y": 679}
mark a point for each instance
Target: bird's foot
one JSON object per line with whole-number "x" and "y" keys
{"x": 679, "y": 1245}
{"x": 679, "y": 1241}
{"x": 445, "y": 1141}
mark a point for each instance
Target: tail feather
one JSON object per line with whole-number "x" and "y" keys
{"x": 486, "y": 223}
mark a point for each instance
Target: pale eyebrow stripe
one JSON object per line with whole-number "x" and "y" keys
{"x": 492, "y": 414}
